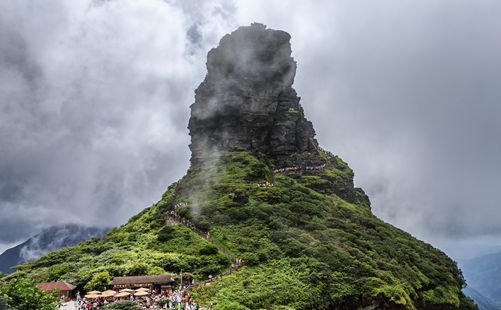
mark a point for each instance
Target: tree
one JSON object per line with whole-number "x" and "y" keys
{"x": 100, "y": 282}
{"x": 3, "y": 303}
{"x": 137, "y": 269}
{"x": 23, "y": 295}
{"x": 208, "y": 250}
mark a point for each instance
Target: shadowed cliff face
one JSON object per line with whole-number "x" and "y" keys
{"x": 247, "y": 102}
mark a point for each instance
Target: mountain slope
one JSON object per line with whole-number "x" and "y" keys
{"x": 47, "y": 240}
{"x": 484, "y": 303}
{"x": 260, "y": 190}
{"x": 483, "y": 274}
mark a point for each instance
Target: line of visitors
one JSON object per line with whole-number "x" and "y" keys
{"x": 265, "y": 184}
{"x": 296, "y": 168}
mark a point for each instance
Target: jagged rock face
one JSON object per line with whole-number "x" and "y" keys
{"x": 247, "y": 102}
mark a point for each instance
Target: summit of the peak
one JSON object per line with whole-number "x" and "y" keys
{"x": 246, "y": 101}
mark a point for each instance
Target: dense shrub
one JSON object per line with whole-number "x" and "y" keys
{"x": 137, "y": 269}
{"x": 57, "y": 271}
{"x": 3, "y": 304}
{"x": 166, "y": 233}
{"x": 23, "y": 295}
{"x": 208, "y": 250}
{"x": 99, "y": 282}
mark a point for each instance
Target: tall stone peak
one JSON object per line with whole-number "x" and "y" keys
{"x": 247, "y": 102}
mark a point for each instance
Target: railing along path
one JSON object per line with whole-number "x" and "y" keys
{"x": 174, "y": 217}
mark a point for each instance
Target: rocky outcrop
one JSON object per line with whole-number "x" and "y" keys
{"x": 247, "y": 102}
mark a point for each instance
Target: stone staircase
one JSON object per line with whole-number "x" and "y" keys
{"x": 173, "y": 218}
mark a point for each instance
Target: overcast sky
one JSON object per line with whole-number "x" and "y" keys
{"x": 95, "y": 95}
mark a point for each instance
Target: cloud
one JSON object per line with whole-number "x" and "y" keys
{"x": 94, "y": 100}
{"x": 95, "y": 95}
{"x": 56, "y": 237}
{"x": 408, "y": 93}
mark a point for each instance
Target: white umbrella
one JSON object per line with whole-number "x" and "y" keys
{"x": 122, "y": 294}
{"x": 127, "y": 290}
{"x": 142, "y": 289}
{"x": 108, "y": 293}
{"x": 92, "y": 296}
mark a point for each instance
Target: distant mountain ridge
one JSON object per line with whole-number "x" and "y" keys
{"x": 49, "y": 239}
{"x": 483, "y": 276}
{"x": 484, "y": 303}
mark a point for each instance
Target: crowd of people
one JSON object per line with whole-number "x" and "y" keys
{"x": 175, "y": 297}
{"x": 180, "y": 204}
{"x": 164, "y": 299}
{"x": 265, "y": 184}
{"x": 178, "y": 218}
{"x": 296, "y": 168}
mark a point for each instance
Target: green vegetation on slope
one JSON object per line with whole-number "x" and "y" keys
{"x": 142, "y": 246}
{"x": 345, "y": 256}
{"x": 310, "y": 241}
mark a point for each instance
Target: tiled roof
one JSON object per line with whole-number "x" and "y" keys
{"x": 156, "y": 279}
{"x": 61, "y": 285}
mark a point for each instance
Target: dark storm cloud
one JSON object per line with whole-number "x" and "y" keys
{"x": 94, "y": 99}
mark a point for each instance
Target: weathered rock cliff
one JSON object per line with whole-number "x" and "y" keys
{"x": 247, "y": 102}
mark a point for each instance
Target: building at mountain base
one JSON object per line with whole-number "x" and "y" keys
{"x": 64, "y": 289}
